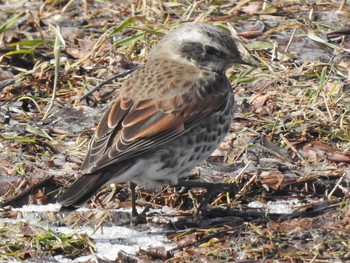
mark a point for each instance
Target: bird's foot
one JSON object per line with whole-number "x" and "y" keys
{"x": 139, "y": 218}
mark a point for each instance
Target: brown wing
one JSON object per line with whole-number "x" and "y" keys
{"x": 131, "y": 127}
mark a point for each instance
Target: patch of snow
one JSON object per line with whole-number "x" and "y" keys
{"x": 282, "y": 206}
{"x": 278, "y": 206}
{"x": 38, "y": 208}
{"x": 256, "y": 204}
{"x": 110, "y": 252}
{"x": 110, "y": 240}
{"x": 84, "y": 259}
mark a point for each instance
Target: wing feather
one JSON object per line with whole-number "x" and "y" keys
{"x": 131, "y": 127}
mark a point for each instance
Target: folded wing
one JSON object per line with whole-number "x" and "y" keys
{"x": 132, "y": 127}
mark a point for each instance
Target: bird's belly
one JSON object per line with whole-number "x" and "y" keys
{"x": 172, "y": 161}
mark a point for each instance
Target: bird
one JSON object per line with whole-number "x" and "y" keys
{"x": 169, "y": 115}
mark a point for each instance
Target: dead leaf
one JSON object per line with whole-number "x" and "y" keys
{"x": 259, "y": 100}
{"x": 252, "y": 7}
{"x": 83, "y": 48}
{"x": 316, "y": 150}
{"x": 277, "y": 180}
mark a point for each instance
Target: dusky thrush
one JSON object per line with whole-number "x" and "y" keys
{"x": 168, "y": 117}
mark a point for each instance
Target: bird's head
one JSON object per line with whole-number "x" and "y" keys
{"x": 205, "y": 45}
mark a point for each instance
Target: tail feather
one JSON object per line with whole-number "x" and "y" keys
{"x": 83, "y": 189}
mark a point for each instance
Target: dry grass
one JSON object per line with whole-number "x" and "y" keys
{"x": 289, "y": 138}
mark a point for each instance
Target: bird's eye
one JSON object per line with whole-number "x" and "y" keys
{"x": 211, "y": 50}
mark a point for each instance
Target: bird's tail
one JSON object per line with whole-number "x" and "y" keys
{"x": 83, "y": 189}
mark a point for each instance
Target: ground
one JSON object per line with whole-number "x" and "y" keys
{"x": 287, "y": 154}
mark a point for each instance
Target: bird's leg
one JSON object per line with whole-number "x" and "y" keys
{"x": 133, "y": 199}
{"x": 138, "y": 218}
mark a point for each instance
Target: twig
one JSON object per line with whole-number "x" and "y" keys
{"x": 245, "y": 187}
{"x": 242, "y": 171}
{"x": 289, "y": 42}
{"x": 27, "y": 191}
{"x": 341, "y": 7}
{"x": 285, "y": 140}
{"x": 104, "y": 82}
{"x": 336, "y": 186}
